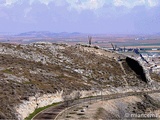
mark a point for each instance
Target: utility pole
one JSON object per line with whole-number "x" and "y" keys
{"x": 95, "y": 89}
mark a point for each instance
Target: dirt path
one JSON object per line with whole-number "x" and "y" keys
{"x": 124, "y": 74}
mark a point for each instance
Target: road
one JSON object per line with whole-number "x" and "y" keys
{"x": 52, "y": 112}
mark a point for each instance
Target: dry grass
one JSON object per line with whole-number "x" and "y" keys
{"x": 155, "y": 77}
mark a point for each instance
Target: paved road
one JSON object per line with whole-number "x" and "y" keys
{"x": 52, "y": 112}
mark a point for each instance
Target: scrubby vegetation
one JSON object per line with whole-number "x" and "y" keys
{"x": 155, "y": 77}
{"x": 46, "y": 68}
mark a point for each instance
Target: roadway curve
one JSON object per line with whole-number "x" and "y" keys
{"x": 52, "y": 112}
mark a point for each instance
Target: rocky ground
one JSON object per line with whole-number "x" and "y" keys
{"x": 46, "y": 68}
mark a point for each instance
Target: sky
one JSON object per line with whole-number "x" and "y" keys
{"x": 85, "y": 16}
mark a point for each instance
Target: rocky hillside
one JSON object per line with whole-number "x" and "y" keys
{"x": 26, "y": 70}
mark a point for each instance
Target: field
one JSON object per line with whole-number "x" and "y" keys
{"x": 102, "y": 40}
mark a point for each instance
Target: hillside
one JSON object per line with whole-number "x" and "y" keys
{"x": 47, "y": 68}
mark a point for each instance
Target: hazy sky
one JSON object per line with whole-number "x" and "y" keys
{"x": 86, "y": 16}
